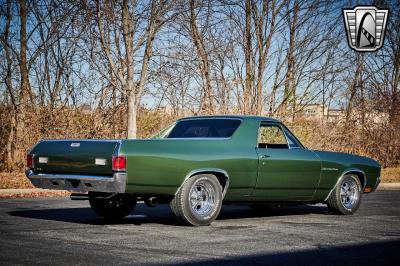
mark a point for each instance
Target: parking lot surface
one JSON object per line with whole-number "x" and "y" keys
{"x": 59, "y": 231}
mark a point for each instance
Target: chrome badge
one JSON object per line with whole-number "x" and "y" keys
{"x": 365, "y": 26}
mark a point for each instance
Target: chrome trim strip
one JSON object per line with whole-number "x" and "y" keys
{"x": 200, "y": 138}
{"x": 227, "y": 116}
{"x": 210, "y": 117}
{"x": 80, "y": 140}
{"x": 342, "y": 176}
{"x": 69, "y": 176}
{"x": 115, "y": 183}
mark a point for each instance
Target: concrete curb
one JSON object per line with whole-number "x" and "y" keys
{"x": 389, "y": 186}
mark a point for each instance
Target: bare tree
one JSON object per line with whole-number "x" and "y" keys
{"x": 122, "y": 64}
{"x": 198, "y": 38}
{"x": 5, "y": 41}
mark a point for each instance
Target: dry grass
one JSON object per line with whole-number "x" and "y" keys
{"x": 14, "y": 180}
{"x": 38, "y": 194}
{"x": 390, "y": 175}
{"x": 20, "y": 181}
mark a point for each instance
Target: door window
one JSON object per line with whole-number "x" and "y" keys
{"x": 272, "y": 137}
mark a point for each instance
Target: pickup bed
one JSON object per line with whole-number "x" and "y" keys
{"x": 200, "y": 162}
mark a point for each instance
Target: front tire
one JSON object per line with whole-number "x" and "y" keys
{"x": 112, "y": 207}
{"x": 346, "y": 197}
{"x": 198, "y": 201}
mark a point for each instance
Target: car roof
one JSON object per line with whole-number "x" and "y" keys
{"x": 244, "y": 117}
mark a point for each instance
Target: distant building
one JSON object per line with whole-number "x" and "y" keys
{"x": 336, "y": 115}
{"x": 317, "y": 112}
{"x": 314, "y": 111}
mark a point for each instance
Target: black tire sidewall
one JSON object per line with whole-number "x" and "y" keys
{"x": 186, "y": 208}
{"x": 343, "y": 209}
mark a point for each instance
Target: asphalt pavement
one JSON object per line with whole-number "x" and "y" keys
{"x": 58, "y": 231}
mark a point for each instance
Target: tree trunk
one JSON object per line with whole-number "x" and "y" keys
{"x": 354, "y": 87}
{"x": 289, "y": 93}
{"x": 24, "y": 85}
{"x": 207, "y": 105}
{"x": 264, "y": 30}
{"x": 132, "y": 115}
{"x": 247, "y": 55}
{"x": 11, "y": 143}
{"x": 10, "y": 147}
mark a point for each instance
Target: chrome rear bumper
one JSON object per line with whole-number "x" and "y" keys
{"x": 79, "y": 183}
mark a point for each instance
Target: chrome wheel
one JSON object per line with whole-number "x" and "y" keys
{"x": 202, "y": 198}
{"x": 345, "y": 198}
{"x": 349, "y": 193}
{"x": 199, "y": 200}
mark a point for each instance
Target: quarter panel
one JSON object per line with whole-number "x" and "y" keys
{"x": 160, "y": 165}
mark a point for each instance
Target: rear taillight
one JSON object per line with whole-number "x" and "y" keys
{"x": 29, "y": 161}
{"x": 119, "y": 163}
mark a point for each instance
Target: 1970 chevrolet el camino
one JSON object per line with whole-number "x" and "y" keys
{"x": 199, "y": 163}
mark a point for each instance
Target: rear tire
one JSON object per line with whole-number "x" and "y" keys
{"x": 198, "y": 201}
{"x": 346, "y": 197}
{"x": 112, "y": 207}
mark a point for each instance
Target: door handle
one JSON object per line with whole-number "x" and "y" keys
{"x": 265, "y": 156}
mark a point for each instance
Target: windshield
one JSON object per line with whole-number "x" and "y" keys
{"x": 202, "y": 128}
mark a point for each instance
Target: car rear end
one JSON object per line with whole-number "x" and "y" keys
{"x": 77, "y": 165}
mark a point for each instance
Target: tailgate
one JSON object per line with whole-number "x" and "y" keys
{"x": 84, "y": 157}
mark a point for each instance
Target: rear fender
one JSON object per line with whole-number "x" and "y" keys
{"x": 221, "y": 175}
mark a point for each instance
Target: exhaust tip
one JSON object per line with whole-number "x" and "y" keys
{"x": 77, "y": 196}
{"x": 151, "y": 202}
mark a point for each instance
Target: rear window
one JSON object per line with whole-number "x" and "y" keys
{"x": 204, "y": 128}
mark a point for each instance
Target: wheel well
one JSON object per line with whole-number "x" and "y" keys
{"x": 360, "y": 176}
{"x": 223, "y": 178}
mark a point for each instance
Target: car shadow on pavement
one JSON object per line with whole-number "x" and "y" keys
{"x": 161, "y": 214}
{"x": 371, "y": 253}
{"x": 241, "y": 211}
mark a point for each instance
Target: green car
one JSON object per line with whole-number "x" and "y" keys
{"x": 199, "y": 163}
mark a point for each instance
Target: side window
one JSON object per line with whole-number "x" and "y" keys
{"x": 293, "y": 144}
{"x": 271, "y": 137}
